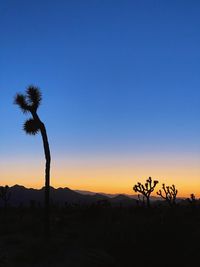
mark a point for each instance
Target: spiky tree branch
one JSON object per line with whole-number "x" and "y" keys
{"x": 146, "y": 189}
{"x": 168, "y": 193}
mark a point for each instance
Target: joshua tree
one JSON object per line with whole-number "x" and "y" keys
{"x": 169, "y": 194}
{"x": 146, "y": 189}
{"x": 5, "y": 195}
{"x": 29, "y": 103}
{"x": 192, "y": 200}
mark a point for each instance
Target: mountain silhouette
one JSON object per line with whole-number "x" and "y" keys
{"x": 21, "y": 195}
{"x": 122, "y": 200}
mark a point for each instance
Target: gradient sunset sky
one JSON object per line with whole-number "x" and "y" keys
{"x": 121, "y": 92}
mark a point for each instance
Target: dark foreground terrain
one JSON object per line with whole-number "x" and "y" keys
{"x": 101, "y": 236}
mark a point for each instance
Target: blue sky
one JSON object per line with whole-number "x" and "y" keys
{"x": 118, "y": 78}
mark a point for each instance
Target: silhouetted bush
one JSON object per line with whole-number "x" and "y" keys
{"x": 5, "y": 196}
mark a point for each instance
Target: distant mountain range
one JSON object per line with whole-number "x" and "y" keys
{"x": 112, "y": 195}
{"x": 83, "y": 192}
{"x": 21, "y": 195}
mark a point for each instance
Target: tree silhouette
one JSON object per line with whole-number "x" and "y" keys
{"x": 146, "y": 189}
{"x": 5, "y": 195}
{"x": 169, "y": 194}
{"x": 29, "y": 103}
{"x": 192, "y": 200}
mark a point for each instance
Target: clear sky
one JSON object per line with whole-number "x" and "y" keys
{"x": 121, "y": 92}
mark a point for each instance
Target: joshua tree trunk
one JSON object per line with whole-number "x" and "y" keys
{"x": 47, "y": 177}
{"x": 148, "y": 202}
{"x": 47, "y": 173}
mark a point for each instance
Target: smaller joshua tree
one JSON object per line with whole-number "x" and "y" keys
{"x": 5, "y": 195}
{"x": 146, "y": 189}
{"x": 168, "y": 193}
{"x": 192, "y": 200}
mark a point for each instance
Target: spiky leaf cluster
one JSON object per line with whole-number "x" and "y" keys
{"x": 21, "y": 101}
{"x": 34, "y": 97}
{"x": 30, "y": 101}
{"x": 31, "y": 127}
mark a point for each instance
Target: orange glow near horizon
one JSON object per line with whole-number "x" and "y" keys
{"x": 108, "y": 175}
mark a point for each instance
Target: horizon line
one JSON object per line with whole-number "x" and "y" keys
{"x": 94, "y": 192}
